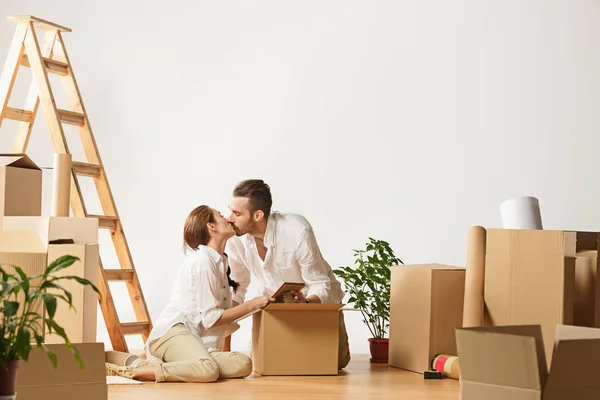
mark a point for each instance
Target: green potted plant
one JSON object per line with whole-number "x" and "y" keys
{"x": 368, "y": 285}
{"x": 22, "y": 324}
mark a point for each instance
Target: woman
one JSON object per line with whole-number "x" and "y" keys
{"x": 186, "y": 341}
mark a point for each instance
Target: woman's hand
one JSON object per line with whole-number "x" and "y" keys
{"x": 261, "y": 302}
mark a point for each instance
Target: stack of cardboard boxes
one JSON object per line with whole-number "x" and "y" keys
{"x": 541, "y": 307}
{"x": 32, "y": 242}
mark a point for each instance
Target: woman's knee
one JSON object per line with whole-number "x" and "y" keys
{"x": 244, "y": 364}
{"x": 234, "y": 364}
{"x": 203, "y": 371}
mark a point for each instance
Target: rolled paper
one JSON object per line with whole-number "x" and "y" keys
{"x": 120, "y": 358}
{"x": 473, "y": 307}
{"x": 447, "y": 364}
{"x": 61, "y": 185}
{"x": 521, "y": 213}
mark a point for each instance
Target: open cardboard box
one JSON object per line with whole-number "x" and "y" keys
{"x": 296, "y": 339}
{"x": 509, "y": 362}
{"x": 27, "y": 243}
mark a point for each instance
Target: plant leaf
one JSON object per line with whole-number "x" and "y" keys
{"x": 82, "y": 281}
{"x": 23, "y": 343}
{"x": 10, "y": 308}
{"x": 39, "y": 340}
{"x": 60, "y": 263}
{"x": 59, "y": 330}
{"x": 51, "y": 356}
{"x": 50, "y": 303}
{"x": 77, "y": 357}
{"x": 24, "y": 280}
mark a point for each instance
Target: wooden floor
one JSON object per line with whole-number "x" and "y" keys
{"x": 361, "y": 380}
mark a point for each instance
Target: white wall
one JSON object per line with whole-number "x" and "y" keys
{"x": 391, "y": 119}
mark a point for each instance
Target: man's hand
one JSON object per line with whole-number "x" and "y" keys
{"x": 298, "y": 296}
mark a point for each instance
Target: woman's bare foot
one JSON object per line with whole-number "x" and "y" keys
{"x": 144, "y": 374}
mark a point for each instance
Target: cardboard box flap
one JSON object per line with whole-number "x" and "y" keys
{"x": 574, "y": 370}
{"x": 430, "y": 266}
{"x": 21, "y": 242}
{"x": 570, "y": 332}
{"x": 482, "y": 391}
{"x": 80, "y": 229}
{"x": 587, "y": 241}
{"x": 513, "y": 356}
{"x": 17, "y": 161}
{"x": 302, "y": 307}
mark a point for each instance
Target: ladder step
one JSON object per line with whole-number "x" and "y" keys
{"x": 71, "y": 117}
{"x": 39, "y": 23}
{"x": 119, "y": 275}
{"x": 86, "y": 169}
{"x": 105, "y": 221}
{"x": 135, "y": 328}
{"x": 17, "y": 114}
{"x": 54, "y": 66}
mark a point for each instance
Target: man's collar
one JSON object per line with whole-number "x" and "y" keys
{"x": 269, "y": 239}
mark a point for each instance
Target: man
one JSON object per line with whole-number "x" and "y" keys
{"x": 279, "y": 247}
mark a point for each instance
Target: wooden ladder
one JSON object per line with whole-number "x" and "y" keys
{"x": 51, "y": 57}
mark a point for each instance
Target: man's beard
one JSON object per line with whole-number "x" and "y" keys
{"x": 249, "y": 229}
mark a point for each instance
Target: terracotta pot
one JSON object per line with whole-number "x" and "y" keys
{"x": 8, "y": 378}
{"x": 379, "y": 350}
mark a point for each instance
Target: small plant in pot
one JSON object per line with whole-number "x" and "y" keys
{"x": 368, "y": 285}
{"x": 23, "y": 322}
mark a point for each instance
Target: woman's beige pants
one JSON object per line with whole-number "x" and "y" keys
{"x": 185, "y": 359}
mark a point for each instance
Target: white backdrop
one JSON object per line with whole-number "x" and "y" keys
{"x": 408, "y": 121}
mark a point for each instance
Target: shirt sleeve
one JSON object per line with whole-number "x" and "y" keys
{"x": 239, "y": 269}
{"x": 208, "y": 293}
{"x": 314, "y": 269}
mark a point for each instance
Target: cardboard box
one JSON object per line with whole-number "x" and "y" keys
{"x": 509, "y": 362}
{"x": 296, "y": 339}
{"x": 38, "y": 379}
{"x": 25, "y": 242}
{"x": 426, "y": 305}
{"x": 20, "y": 185}
{"x": 80, "y": 323}
{"x": 25, "y": 250}
{"x": 587, "y": 287}
{"x": 530, "y": 279}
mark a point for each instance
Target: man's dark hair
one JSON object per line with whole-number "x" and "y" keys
{"x": 257, "y": 192}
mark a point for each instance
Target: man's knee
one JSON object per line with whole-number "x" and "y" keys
{"x": 343, "y": 361}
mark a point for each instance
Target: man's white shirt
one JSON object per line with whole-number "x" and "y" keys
{"x": 293, "y": 255}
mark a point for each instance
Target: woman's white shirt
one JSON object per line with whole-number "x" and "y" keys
{"x": 200, "y": 296}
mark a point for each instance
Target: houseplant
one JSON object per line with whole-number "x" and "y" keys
{"x": 23, "y": 320}
{"x": 368, "y": 285}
